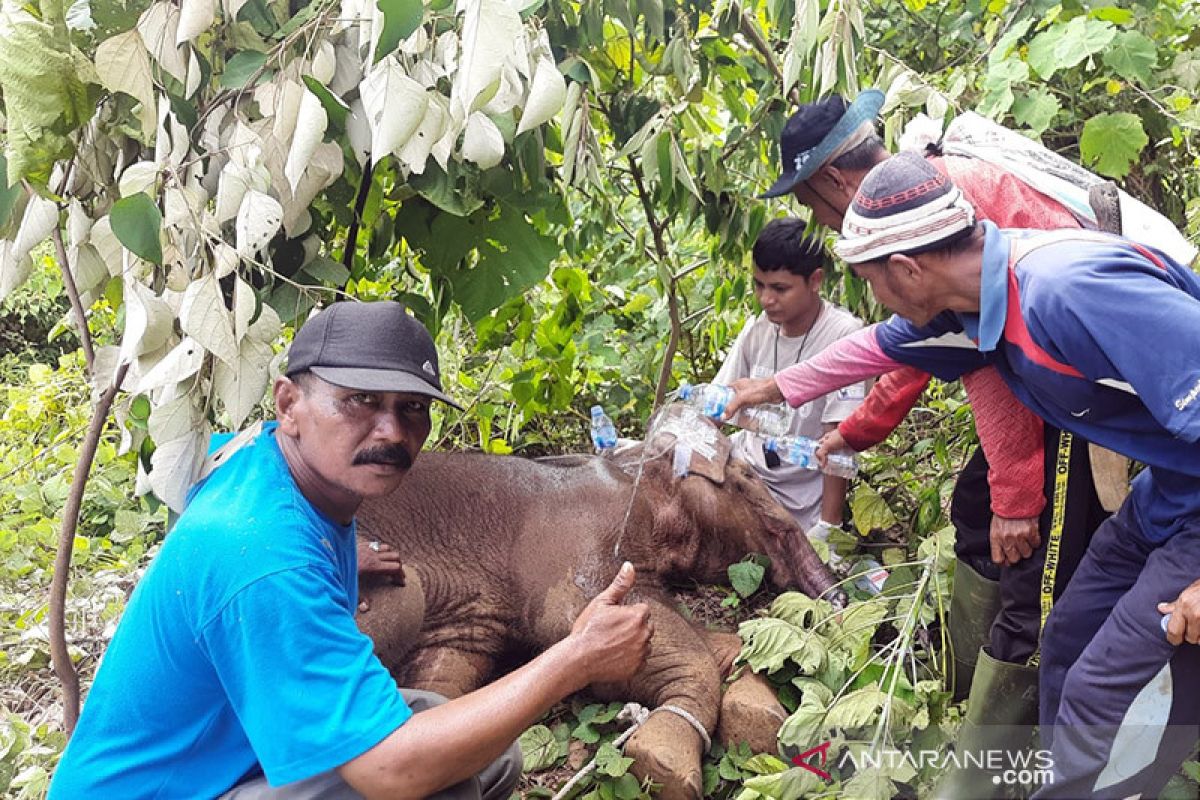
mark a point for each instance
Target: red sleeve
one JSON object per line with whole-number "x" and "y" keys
{"x": 1011, "y": 437}
{"x": 889, "y": 401}
{"x": 1002, "y": 197}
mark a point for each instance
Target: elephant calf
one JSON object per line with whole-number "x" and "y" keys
{"x": 502, "y": 553}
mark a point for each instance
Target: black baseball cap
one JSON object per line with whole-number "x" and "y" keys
{"x": 818, "y": 130}
{"x": 375, "y": 347}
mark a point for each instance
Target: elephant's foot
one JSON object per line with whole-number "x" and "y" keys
{"x": 667, "y": 750}
{"x": 751, "y": 713}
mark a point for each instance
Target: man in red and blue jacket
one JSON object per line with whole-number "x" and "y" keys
{"x": 1100, "y": 337}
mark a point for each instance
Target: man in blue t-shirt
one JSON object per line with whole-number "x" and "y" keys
{"x": 1101, "y": 337}
{"x": 237, "y": 666}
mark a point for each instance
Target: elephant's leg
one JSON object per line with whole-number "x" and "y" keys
{"x": 751, "y": 713}
{"x": 724, "y": 646}
{"x": 449, "y": 670}
{"x": 679, "y": 671}
{"x": 392, "y": 616}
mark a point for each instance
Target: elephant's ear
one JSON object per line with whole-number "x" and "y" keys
{"x": 676, "y": 426}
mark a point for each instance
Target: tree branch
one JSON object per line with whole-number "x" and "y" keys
{"x": 751, "y": 32}
{"x": 85, "y": 336}
{"x": 660, "y": 248}
{"x": 64, "y": 668}
{"x": 360, "y": 202}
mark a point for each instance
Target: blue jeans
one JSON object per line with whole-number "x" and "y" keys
{"x": 1120, "y": 706}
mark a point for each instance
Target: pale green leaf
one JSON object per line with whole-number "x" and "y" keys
{"x": 857, "y": 625}
{"x": 870, "y": 510}
{"x": 180, "y": 363}
{"x": 1186, "y": 69}
{"x": 998, "y": 85}
{"x": 149, "y": 321}
{"x": 1133, "y": 56}
{"x": 434, "y": 125}
{"x": 794, "y": 783}
{"x": 1009, "y": 40}
{"x": 8, "y": 194}
{"x": 44, "y": 96}
{"x": 204, "y": 317}
{"x": 159, "y": 28}
{"x": 856, "y": 709}
{"x": 610, "y": 762}
{"x": 1111, "y": 143}
{"x": 195, "y": 17}
{"x": 394, "y": 104}
{"x": 483, "y": 144}
{"x": 137, "y": 222}
{"x": 311, "y": 121}
{"x": 242, "y": 385}
{"x": 258, "y": 219}
{"x": 1036, "y": 110}
{"x": 124, "y": 65}
{"x": 539, "y": 749}
{"x": 491, "y": 30}
{"x": 746, "y": 577}
{"x": 768, "y": 644}
{"x": 547, "y": 93}
{"x": 38, "y": 221}
{"x": 175, "y": 465}
{"x": 801, "y": 610}
{"x": 1064, "y": 46}
{"x": 870, "y": 783}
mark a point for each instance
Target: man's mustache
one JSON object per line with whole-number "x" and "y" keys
{"x": 394, "y": 455}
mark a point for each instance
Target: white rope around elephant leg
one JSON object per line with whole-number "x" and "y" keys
{"x": 637, "y": 714}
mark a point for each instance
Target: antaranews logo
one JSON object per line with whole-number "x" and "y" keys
{"x": 1017, "y": 767}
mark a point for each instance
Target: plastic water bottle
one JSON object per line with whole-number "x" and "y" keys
{"x": 711, "y": 399}
{"x": 802, "y": 451}
{"x": 871, "y": 580}
{"x": 604, "y": 433}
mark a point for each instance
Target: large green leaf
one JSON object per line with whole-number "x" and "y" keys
{"x": 539, "y": 748}
{"x": 746, "y": 577}
{"x": 1132, "y": 55}
{"x": 1036, "y": 110}
{"x": 136, "y": 222}
{"x": 400, "y": 19}
{"x": 1112, "y": 142}
{"x": 1064, "y": 46}
{"x": 44, "y": 96}
{"x": 241, "y": 67}
{"x": 513, "y": 256}
{"x": 870, "y": 510}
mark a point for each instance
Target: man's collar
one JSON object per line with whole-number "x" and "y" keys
{"x": 986, "y": 327}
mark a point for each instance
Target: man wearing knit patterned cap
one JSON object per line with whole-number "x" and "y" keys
{"x": 1004, "y": 513}
{"x": 1053, "y": 312}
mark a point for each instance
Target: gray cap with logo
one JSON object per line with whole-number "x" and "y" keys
{"x": 375, "y": 347}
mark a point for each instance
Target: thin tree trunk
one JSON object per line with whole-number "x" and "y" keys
{"x": 63, "y": 667}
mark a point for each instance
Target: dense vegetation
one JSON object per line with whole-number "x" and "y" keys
{"x": 571, "y": 215}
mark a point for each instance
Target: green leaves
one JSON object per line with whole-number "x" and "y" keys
{"x": 1132, "y": 55}
{"x": 747, "y": 576}
{"x": 1064, "y": 46}
{"x": 400, "y": 19}
{"x": 1112, "y": 142}
{"x": 241, "y": 68}
{"x": 45, "y": 98}
{"x": 539, "y": 748}
{"x": 136, "y": 222}
{"x": 870, "y": 510}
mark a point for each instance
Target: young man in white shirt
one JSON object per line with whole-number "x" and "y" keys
{"x": 796, "y": 323}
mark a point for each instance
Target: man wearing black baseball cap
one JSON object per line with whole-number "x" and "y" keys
{"x": 238, "y": 670}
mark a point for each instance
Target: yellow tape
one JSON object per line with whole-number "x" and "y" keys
{"x": 1058, "y": 513}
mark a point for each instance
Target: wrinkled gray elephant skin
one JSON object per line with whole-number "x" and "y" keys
{"x": 507, "y": 551}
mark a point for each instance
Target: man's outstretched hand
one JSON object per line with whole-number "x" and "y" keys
{"x": 615, "y": 637}
{"x": 1185, "y": 616}
{"x": 752, "y": 392}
